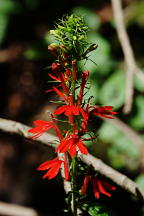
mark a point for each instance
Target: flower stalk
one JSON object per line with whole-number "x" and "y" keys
{"x": 71, "y": 36}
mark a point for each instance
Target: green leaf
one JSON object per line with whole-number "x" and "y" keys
{"x": 113, "y": 90}
{"x": 94, "y": 209}
{"x": 138, "y": 119}
{"x": 108, "y": 132}
{"x": 139, "y": 84}
{"x": 124, "y": 153}
{"x": 140, "y": 180}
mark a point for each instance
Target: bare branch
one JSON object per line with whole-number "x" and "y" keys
{"x": 131, "y": 65}
{"x": 120, "y": 179}
{"x": 16, "y": 210}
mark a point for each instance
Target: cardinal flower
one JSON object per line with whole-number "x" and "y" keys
{"x": 53, "y": 167}
{"x": 71, "y": 143}
{"x": 99, "y": 186}
{"x": 41, "y": 127}
{"x": 70, "y": 108}
{"x": 103, "y": 111}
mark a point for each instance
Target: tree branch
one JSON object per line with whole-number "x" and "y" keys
{"x": 120, "y": 179}
{"x": 16, "y": 210}
{"x": 131, "y": 65}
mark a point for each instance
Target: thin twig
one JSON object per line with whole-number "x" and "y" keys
{"x": 120, "y": 179}
{"x": 131, "y": 66}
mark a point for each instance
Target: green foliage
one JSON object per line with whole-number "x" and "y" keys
{"x": 139, "y": 84}
{"x": 94, "y": 209}
{"x": 122, "y": 152}
{"x": 137, "y": 120}
{"x": 135, "y": 13}
{"x": 140, "y": 180}
{"x": 7, "y": 7}
{"x": 113, "y": 90}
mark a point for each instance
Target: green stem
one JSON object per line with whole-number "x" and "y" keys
{"x": 74, "y": 183}
{"x": 74, "y": 187}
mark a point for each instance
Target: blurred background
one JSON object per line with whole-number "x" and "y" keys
{"x": 24, "y": 58}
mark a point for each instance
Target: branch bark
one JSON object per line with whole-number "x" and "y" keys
{"x": 99, "y": 166}
{"x": 131, "y": 66}
{"x": 16, "y": 210}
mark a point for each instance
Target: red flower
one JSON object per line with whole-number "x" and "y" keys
{"x": 53, "y": 167}
{"x": 41, "y": 127}
{"x": 70, "y": 108}
{"x": 99, "y": 186}
{"x": 103, "y": 111}
{"x": 70, "y": 143}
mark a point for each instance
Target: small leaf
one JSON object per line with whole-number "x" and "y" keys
{"x": 94, "y": 209}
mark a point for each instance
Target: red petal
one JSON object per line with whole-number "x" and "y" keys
{"x": 64, "y": 145}
{"x": 41, "y": 123}
{"x": 85, "y": 185}
{"x": 72, "y": 150}
{"x": 96, "y": 192}
{"x": 47, "y": 164}
{"x": 82, "y": 147}
{"x": 75, "y": 110}
{"x": 102, "y": 115}
{"x": 52, "y": 89}
{"x": 84, "y": 115}
{"x": 53, "y": 171}
{"x": 107, "y": 107}
{"x": 102, "y": 189}
{"x": 108, "y": 186}
{"x": 53, "y": 77}
{"x": 34, "y": 130}
{"x": 60, "y": 110}
{"x": 60, "y": 93}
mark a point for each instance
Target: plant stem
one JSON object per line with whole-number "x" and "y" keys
{"x": 74, "y": 187}
{"x": 74, "y": 161}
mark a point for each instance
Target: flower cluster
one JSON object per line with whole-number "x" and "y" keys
{"x": 74, "y": 108}
{"x": 99, "y": 186}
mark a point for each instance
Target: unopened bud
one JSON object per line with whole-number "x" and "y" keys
{"x": 55, "y": 66}
{"x": 85, "y": 75}
{"x": 53, "y": 47}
